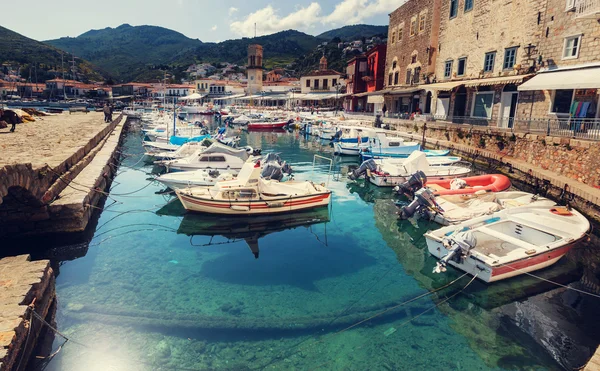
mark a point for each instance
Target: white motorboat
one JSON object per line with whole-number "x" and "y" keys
{"x": 392, "y": 172}
{"x": 217, "y": 156}
{"x": 182, "y": 151}
{"x": 508, "y": 243}
{"x": 197, "y": 178}
{"x": 454, "y": 209}
{"x": 250, "y": 194}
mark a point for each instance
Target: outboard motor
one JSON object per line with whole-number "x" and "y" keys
{"x": 412, "y": 185}
{"x": 459, "y": 245}
{"x": 370, "y": 165}
{"x": 337, "y": 136}
{"x": 213, "y": 173}
{"x": 424, "y": 203}
{"x": 272, "y": 171}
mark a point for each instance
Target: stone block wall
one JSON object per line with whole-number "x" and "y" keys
{"x": 402, "y": 50}
{"x": 492, "y": 25}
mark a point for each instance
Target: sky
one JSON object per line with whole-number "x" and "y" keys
{"x": 198, "y": 19}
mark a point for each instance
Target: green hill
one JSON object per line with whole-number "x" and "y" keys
{"x": 128, "y": 51}
{"x": 41, "y": 59}
{"x": 355, "y": 32}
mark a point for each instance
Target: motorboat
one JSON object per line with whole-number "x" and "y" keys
{"x": 182, "y": 151}
{"x": 473, "y": 184}
{"x": 385, "y": 173}
{"x": 217, "y": 156}
{"x": 197, "y": 178}
{"x": 454, "y": 209}
{"x": 266, "y": 125}
{"x": 250, "y": 194}
{"x": 508, "y": 243}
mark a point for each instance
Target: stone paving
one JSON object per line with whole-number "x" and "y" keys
{"x": 21, "y": 282}
{"x": 50, "y": 139}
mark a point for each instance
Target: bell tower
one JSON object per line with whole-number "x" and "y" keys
{"x": 255, "y": 69}
{"x": 323, "y": 63}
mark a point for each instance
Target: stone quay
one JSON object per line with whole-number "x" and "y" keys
{"x": 53, "y": 172}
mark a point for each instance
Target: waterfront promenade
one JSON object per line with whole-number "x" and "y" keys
{"x": 41, "y": 163}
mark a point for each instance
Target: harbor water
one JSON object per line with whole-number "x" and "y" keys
{"x": 347, "y": 287}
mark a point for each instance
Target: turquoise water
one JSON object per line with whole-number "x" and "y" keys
{"x": 162, "y": 289}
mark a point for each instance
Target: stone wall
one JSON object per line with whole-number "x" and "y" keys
{"x": 559, "y": 24}
{"x": 402, "y": 50}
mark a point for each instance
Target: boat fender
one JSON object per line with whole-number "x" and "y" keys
{"x": 562, "y": 211}
{"x": 239, "y": 208}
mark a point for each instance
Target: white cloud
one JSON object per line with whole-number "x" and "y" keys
{"x": 269, "y": 21}
{"x": 346, "y": 12}
{"x": 213, "y": 28}
{"x": 232, "y": 10}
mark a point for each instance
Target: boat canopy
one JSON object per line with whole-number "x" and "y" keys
{"x": 220, "y": 148}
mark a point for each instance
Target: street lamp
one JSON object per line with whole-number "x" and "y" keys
{"x": 338, "y": 86}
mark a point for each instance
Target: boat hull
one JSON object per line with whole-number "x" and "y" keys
{"x": 489, "y": 274}
{"x": 341, "y": 149}
{"x": 392, "y": 181}
{"x": 253, "y": 207}
{"x": 266, "y": 125}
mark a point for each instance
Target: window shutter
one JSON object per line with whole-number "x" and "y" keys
{"x": 570, "y": 5}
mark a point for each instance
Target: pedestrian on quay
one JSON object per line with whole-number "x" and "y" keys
{"x": 106, "y": 111}
{"x": 110, "y": 112}
{"x": 384, "y": 109}
{"x": 10, "y": 117}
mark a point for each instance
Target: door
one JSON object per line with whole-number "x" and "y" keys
{"x": 441, "y": 110}
{"x": 508, "y": 109}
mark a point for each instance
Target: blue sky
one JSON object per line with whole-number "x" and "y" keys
{"x": 202, "y": 19}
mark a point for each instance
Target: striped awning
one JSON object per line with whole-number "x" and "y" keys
{"x": 504, "y": 80}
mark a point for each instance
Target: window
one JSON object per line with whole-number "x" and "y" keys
{"x": 396, "y": 75}
{"x": 394, "y": 64}
{"x": 413, "y": 26}
{"x": 325, "y": 84}
{"x": 571, "y": 47}
{"x": 400, "y": 34}
{"x": 510, "y": 57}
{"x": 570, "y": 5}
{"x": 390, "y": 79}
{"x": 482, "y": 104}
{"x": 408, "y": 76}
{"x": 333, "y": 82}
{"x": 488, "y": 62}
{"x": 316, "y": 83}
{"x": 417, "y": 75}
{"x": 462, "y": 67}
{"x": 413, "y": 59}
{"x": 217, "y": 159}
{"x": 453, "y": 8}
{"x": 422, "y": 18}
{"x": 448, "y": 69}
{"x": 562, "y": 101}
{"x": 468, "y": 5}
{"x": 393, "y": 37}
{"x": 308, "y": 83}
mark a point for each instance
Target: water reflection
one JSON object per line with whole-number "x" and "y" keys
{"x": 249, "y": 229}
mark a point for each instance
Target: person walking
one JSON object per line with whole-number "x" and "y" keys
{"x": 384, "y": 109}
{"x": 106, "y": 111}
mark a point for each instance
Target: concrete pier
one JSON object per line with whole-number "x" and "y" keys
{"x": 25, "y": 286}
{"x": 52, "y": 170}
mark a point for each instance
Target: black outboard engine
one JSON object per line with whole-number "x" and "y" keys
{"x": 362, "y": 169}
{"x": 256, "y": 152}
{"x": 458, "y": 245}
{"x": 271, "y": 170}
{"x": 214, "y": 173}
{"x": 412, "y": 185}
{"x": 423, "y": 204}
{"x": 337, "y": 136}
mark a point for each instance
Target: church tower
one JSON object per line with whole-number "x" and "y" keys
{"x": 323, "y": 63}
{"x": 255, "y": 69}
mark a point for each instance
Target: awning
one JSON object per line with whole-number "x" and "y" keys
{"x": 399, "y": 91}
{"x": 192, "y": 97}
{"x": 442, "y": 86}
{"x": 375, "y": 99}
{"x": 230, "y": 97}
{"x": 505, "y": 80}
{"x": 583, "y": 78}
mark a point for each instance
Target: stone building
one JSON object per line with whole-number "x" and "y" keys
{"x": 568, "y": 83}
{"x": 411, "y": 53}
{"x": 255, "y": 69}
{"x": 486, "y": 49}
{"x": 322, "y": 87}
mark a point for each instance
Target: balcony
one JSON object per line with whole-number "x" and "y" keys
{"x": 320, "y": 89}
{"x": 587, "y": 9}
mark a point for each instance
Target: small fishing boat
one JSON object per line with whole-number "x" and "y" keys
{"x": 185, "y": 150}
{"x": 217, "y": 156}
{"x": 454, "y": 209}
{"x": 250, "y": 194}
{"x": 266, "y": 125}
{"x": 509, "y": 243}
{"x": 197, "y": 178}
{"x": 392, "y": 173}
{"x": 459, "y": 186}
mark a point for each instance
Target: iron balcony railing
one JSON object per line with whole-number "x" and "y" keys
{"x": 587, "y": 8}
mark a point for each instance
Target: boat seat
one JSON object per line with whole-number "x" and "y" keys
{"x": 514, "y": 241}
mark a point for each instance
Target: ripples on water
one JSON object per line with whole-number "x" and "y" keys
{"x": 162, "y": 289}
